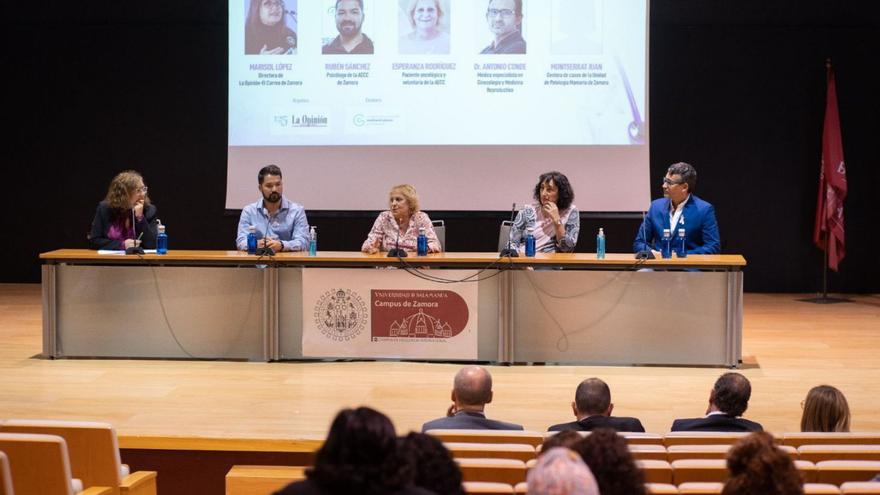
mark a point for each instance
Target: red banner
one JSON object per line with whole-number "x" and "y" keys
{"x": 829, "y": 228}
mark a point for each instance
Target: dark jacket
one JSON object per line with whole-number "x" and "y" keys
{"x": 716, "y": 422}
{"x": 104, "y": 217}
{"x": 599, "y": 421}
{"x": 466, "y": 420}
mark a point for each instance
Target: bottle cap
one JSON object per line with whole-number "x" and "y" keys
{"x": 680, "y": 231}
{"x": 422, "y": 231}
{"x": 252, "y": 229}
{"x": 601, "y": 231}
{"x": 161, "y": 228}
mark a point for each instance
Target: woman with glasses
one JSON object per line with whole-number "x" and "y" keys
{"x": 679, "y": 209}
{"x": 427, "y": 36}
{"x": 266, "y": 32}
{"x": 125, "y": 218}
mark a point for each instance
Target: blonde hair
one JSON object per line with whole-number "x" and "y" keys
{"x": 411, "y": 10}
{"x": 825, "y": 409}
{"x": 409, "y": 194}
{"x": 122, "y": 187}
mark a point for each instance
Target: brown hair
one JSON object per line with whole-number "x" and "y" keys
{"x": 611, "y": 462}
{"x": 825, "y": 409}
{"x": 757, "y": 465}
{"x": 122, "y": 187}
{"x": 409, "y": 194}
{"x": 565, "y": 438}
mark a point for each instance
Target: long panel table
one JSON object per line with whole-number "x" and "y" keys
{"x": 556, "y": 308}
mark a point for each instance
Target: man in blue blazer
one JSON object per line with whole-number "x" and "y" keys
{"x": 680, "y": 208}
{"x": 471, "y": 391}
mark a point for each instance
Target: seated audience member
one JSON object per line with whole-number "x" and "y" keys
{"x": 471, "y": 391}
{"x": 125, "y": 218}
{"x": 553, "y": 218}
{"x": 432, "y": 464}
{"x": 360, "y": 455}
{"x": 280, "y": 224}
{"x": 565, "y": 438}
{"x": 680, "y": 208}
{"x": 758, "y": 466}
{"x": 399, "y": 225}
{"x": 825, "y": 409}
{"x": 608, "y": 457}
{"x": 592, "y": 407}
{"x": 560, "y": 471}
{"x": 728, "y": 400}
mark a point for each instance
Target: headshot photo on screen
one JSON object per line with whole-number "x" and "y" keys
{"x": 504, "y": 19}
{"x": 270, "y": 27}
{"x": 577, "y": 27}
{"x": 344, "y": 28}
{"x": 424, "y": 27}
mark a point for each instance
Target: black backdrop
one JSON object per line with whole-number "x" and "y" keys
{"x": 737, "y": 89}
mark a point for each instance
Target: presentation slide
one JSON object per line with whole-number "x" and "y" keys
{"x": 468, "y": 100}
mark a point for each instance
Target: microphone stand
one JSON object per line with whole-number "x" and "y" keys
{"x": 397, "y": 252}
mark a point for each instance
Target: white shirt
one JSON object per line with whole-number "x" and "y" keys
{"x": 675, "y": 215}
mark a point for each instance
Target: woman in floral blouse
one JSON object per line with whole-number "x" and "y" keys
{"x": 399, "y": 225}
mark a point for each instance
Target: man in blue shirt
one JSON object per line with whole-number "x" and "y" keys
{"x": 678, "y": 209}
{"x": 280, "y": 224}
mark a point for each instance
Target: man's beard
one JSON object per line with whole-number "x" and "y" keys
{"x": 272, "y": 197}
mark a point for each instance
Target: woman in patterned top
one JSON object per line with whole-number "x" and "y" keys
{"x": 399, "y": 225}
{"x": 553, "y": 219}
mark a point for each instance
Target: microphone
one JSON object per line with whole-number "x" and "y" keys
{"x": 134, "y": 249}
{"x": 397, "y": 252}
{"x": 510, "y": 251}
{"x": 265, "y": 250}
{"x": 644, "y": 254}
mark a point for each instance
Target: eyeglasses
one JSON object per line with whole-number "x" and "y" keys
{"x": 670, "y": 182}
{"x": 272, "y": 3}
{"x": 499, "y": 12}
{"x": 142, "y": 189}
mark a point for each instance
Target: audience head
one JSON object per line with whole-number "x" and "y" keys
{"x": 565, "y": 438}
{"x": 126, "y": 189}
{"x": 592, "y": 397}
{"x": 472, "y": 388}
{"x": 825, "y": 409}
{"x": 609, "y": 459}
{"x": 560, "y": 471}
{"x": 360, "y": 455}
{"x": 757, "y": 465}
{"x": 730, "y": 394}
{"x": 432, "y": 464}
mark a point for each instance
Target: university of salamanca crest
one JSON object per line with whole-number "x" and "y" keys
{"x": 340, "y": 314}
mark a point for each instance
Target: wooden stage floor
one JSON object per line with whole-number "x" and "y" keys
{"x": 788, "y": 347}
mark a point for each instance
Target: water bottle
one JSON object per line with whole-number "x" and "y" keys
{"x": 666, "y": 244}
{"x": 313, "y": 241}
{"x": 681, "y": 245}
{"x": 422, "y": 243}
{"x": 530, "y": 244}
{"x": 161, "y": 240}
{"x": 252, "y": 240}
{"x": 600, "y": 245}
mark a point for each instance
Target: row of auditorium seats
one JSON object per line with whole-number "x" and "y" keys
{"x": 694, "y": 463}
{"x": 66, "y": 457}
{"x": 536, "y": 438}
